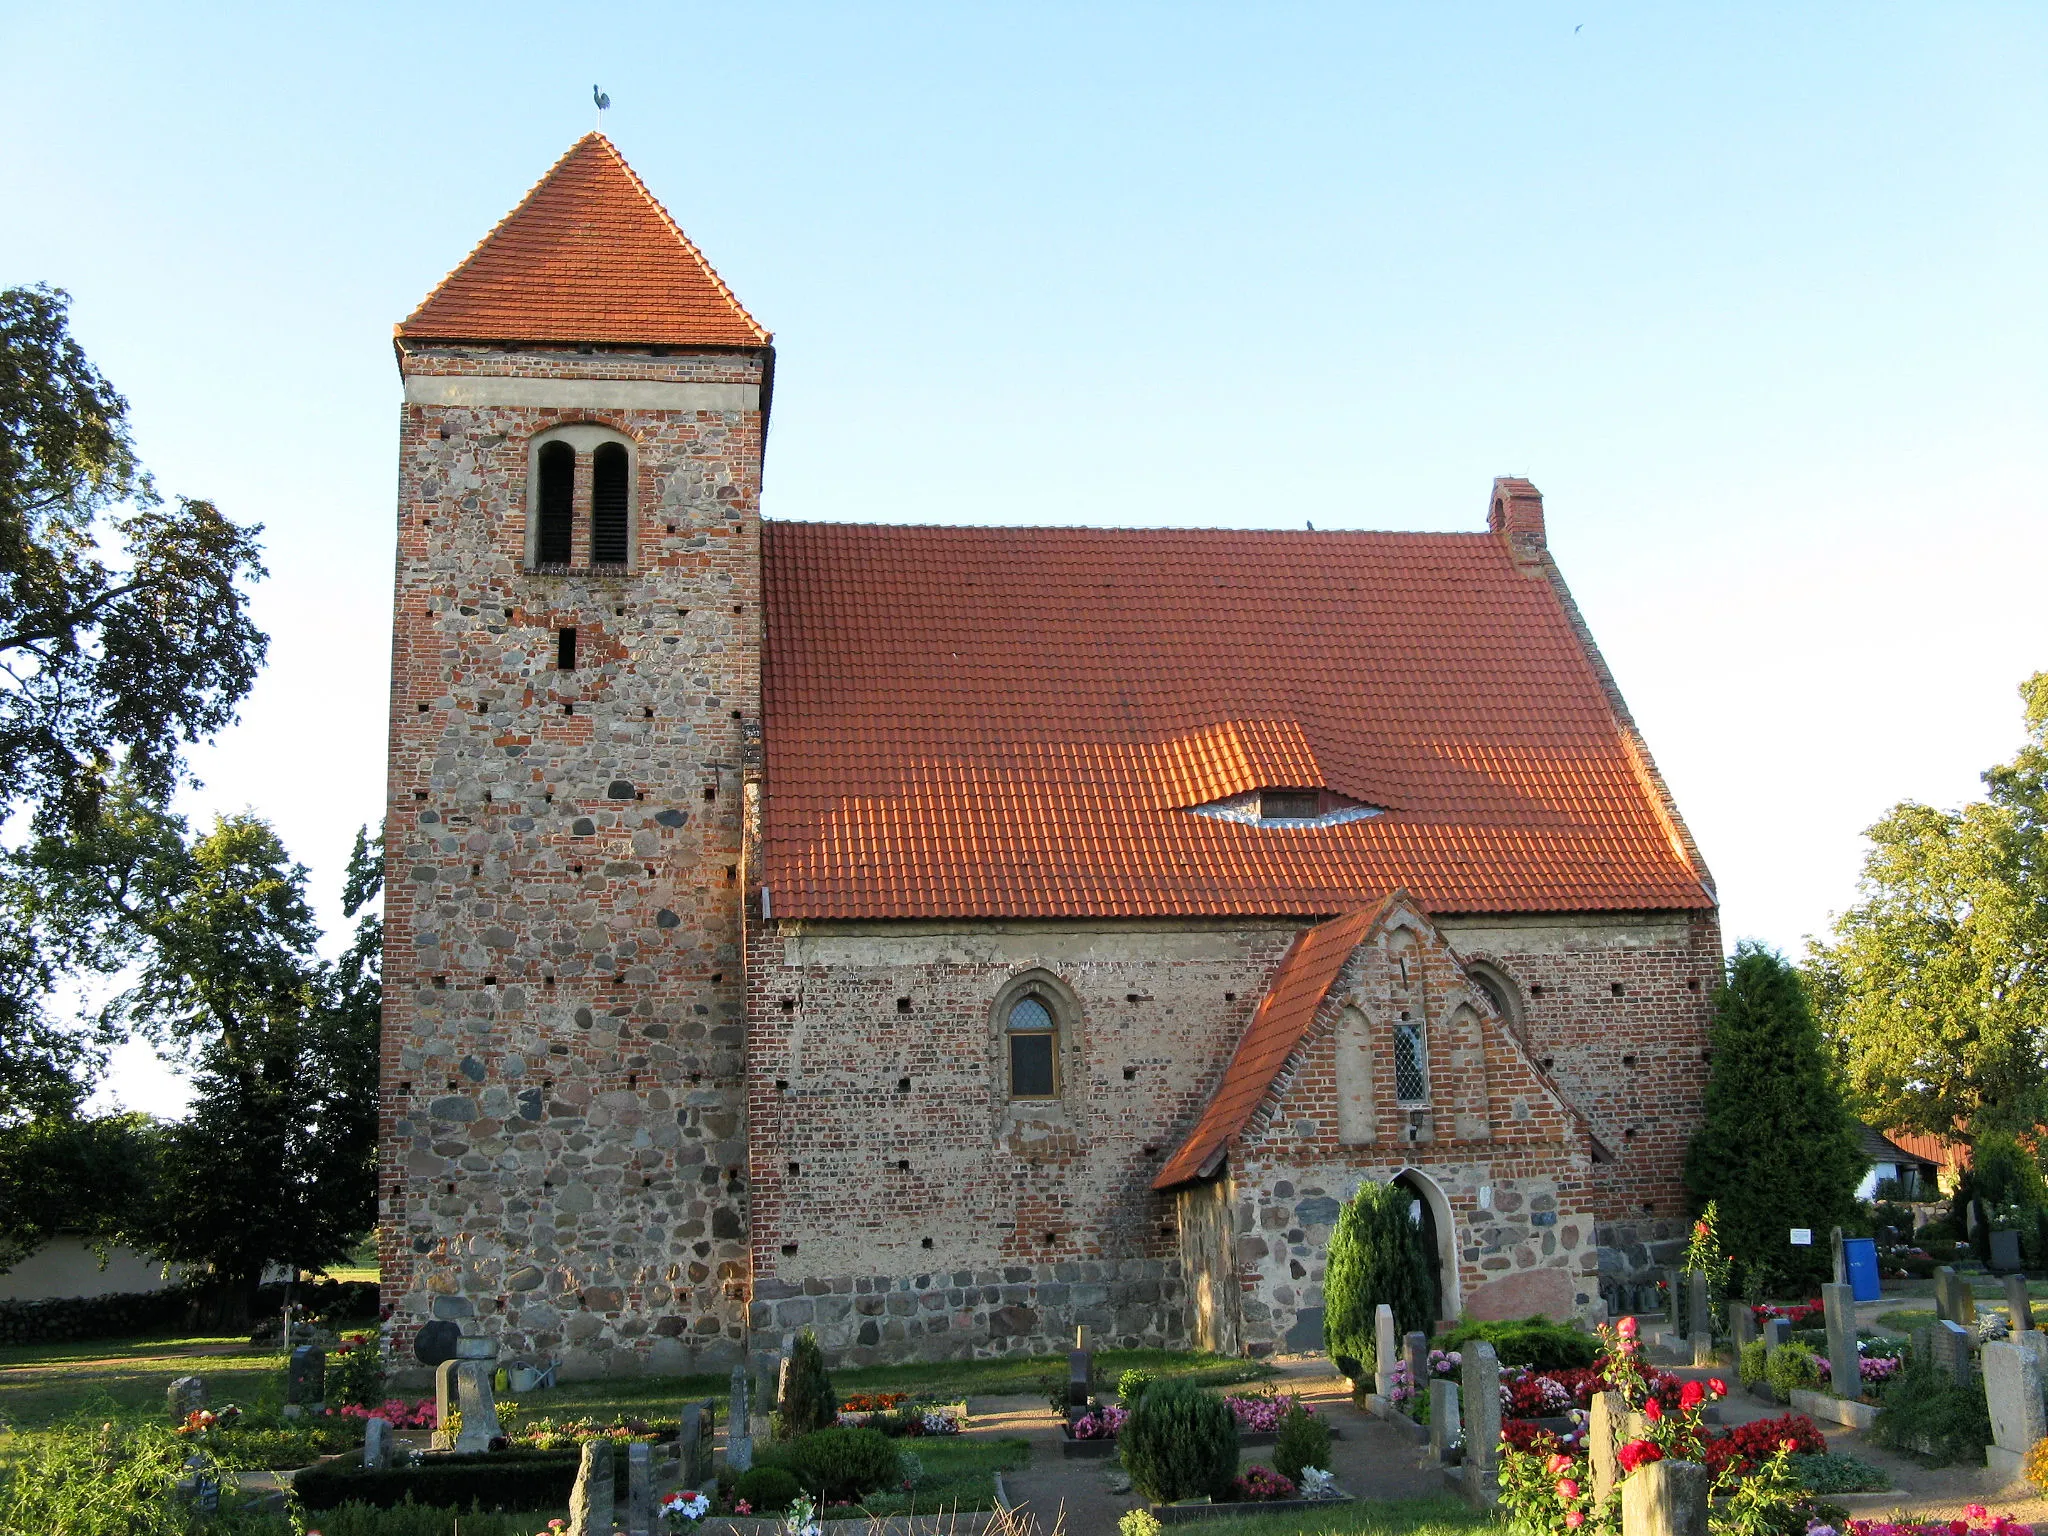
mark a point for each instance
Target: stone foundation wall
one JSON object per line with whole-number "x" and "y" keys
{"x": 564, "y": 1159}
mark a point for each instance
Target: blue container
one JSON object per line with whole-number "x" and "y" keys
{"x": 1859, "y": 1256}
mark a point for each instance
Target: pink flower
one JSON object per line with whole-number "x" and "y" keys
{"x": 1717, "y": 1387}
{"x": 1567, "y": 1489}
{"x": 1654, "y": 1412}
{"x": 1975, "y": 1511}
{"x": 1557, "y": 1464}
{"x": 1627, "y": 1328}
{"x": 1574, "y": 1518}
{"x": 1691, "y": 1395}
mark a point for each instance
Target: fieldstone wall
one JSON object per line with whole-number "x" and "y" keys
{"x": 564, "y": 1157}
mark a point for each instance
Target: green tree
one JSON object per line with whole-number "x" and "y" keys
{"x": 1375, "y": 1256}
{"x": 1777, "y": 1148}
{"x": 276, "y": 1161}
{"x": 94, "y": 1176}
{"x": 1934, "y": 988}
{"x": 124, "y": 637}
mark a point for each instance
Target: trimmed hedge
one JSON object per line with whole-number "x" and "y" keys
{"x": 67, "y": 1319}
{"x": 495, "y": 1480}
{"x": 1539, "y": 1342}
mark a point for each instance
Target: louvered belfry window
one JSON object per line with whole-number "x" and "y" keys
{"x": 557, "y": 503}
{"x": 608, "y": 467}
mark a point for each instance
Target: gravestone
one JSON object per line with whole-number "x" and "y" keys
{"x": 1479, "y": 1401}
{"x": 2012, "y": 1388}
{"x": 1605, "y": 1427}
{"x": 2005, "y": 1250}
{"x": 1953, "y": 1298}
{"x": 2019, "y": 1307}
{"x": 1701, "y": 1325}
{"x": 590, "y": 1501}
{"x": 739, "y": 1440}
{"x": 305, "y": 1378}
{"x": 186, "y": 1395}
{"x": 1415, "y": 1351}
{"x": 1080, "y": 1377}
{"x": 639, "y": 1488}
{"x": 478, "y": 1404}
{"x": 1777, "y": 1330}
{"x": 1741, "y": 1325}
{"x": 1949, "y": 1347}
{"x": 694, "y": 1442}
{"x": 1674, "y": 1299}
{"x": 377, "y": 1444}
{"x": 1665, "y": 1498}
{"x": 447, "y": 1402}
{"x": 1845, "y": 1362}
{"x": 1443, "y": 1420}
{"x": 435, "y": 1342}
{"x": 1386, "y": 1349}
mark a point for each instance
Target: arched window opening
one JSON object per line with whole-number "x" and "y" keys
{"x": 608, "y": 545}
{"x": 1500, "y": 990}
{"x": 1411, "y": 1063}
{"x": 1033, "y": 1037}
{"x": 557, "y": 503}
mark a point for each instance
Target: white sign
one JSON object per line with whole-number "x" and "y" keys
{"x": 1802, "y": 1237}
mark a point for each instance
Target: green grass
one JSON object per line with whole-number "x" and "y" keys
{"x": 958, "y": 1474}
{"x": 1904, "y": 1322}
{"x": 41, "y": 1384}
{"x": 1436, "y": 1516}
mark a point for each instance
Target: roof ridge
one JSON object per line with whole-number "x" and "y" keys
{"x": 1465, "y": 535}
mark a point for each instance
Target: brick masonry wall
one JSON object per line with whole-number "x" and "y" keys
{"x": 564, "y": 1140}
{"x": 1010, "y": 1224}
{"x": 1496, "y": 1152}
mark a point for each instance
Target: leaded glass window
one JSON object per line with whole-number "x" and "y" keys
{"x": 1033, "y": 1074}
{"x": 1411, "y": 1076}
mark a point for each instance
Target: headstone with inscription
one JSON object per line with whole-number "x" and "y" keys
{"x": 2019, "y": 1307}
{"x": 1701, "y": 1325}
{"x": 1386, "y": 1349}
{"x": 1741, "y": 1325}
{"x": 739, "y": 1436}
{"x": 2012, "y": 1389}
{"x": 694, "y": 1441}
{"x": 1479, "y": 1402}
{"x": 378, "y": 1447}
{"x": 186, "y": 1395}
{"x": 591, "y": 1500}
{"x": 1949, "y": 1344}
{"x": 640, "y": 1488}
{"x": 1604, "y": 1429}
{"x": 305, "y": 1378}
{"x": 1415, "y": 1353}
{"x": 479, "y": 1406}
{"x": 1443, "y": 1420}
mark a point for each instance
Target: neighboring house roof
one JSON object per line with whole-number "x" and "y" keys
{"x": 1018, "y": 721}
{"x": 1920, "y": 1147}
{"x": 1284, "y": 1015}
{"x": 588, "y": 256}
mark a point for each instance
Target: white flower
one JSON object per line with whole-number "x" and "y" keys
{"x": 1316, "y": 1483}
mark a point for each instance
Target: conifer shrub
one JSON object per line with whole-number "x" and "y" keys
{"x": 1925, "y": 1411}
{"x": 808, "y": 1402}
{"x": 1791, "y": 1365}
{"x": 1303, "y": 1441}
{"x": 1179, "y": 1443}
{"x": 1375, "y": 1257}
{"x": 1777, "y": 1147}
{"x": 767, "y": 1488}
{"x": 1541, "y": 1343}
{"x": 1131, "y": 1385}
{"x": 840, "y": 1465}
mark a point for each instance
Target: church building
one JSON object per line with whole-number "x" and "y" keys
{"x": 941, "y": 937}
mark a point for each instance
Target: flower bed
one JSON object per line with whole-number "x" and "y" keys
{"x": 1976, "y": 1521}
{"x": 1093, "y": 1434}
{"x": 1258, "y": 1417}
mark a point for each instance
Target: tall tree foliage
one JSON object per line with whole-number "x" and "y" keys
{"x": 1375, "y": 1257}
{"x": 95, "y": 1176}
{"x": 1778, "y": 1147}
{"x": 276, "y": 1161}
{"x": 124, "y": 636}
{"x": 1934, "y": 988}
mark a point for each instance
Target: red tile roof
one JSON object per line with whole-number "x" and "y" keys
{"x": 1013, "y": 722}
{"x": 587, "y": 256}
{"x": 1284, "y": 1015}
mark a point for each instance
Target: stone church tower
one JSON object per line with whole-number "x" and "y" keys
{"x": 575, "y": 697}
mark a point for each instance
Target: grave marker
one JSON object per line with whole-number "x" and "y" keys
{"x": 2005, "y": 1250}
{"x": 1479, "y": 1400}
{"x": 1443, "y": 1420}
{"x": 2019, "y": 1307}
{"x": 1605, "y": 1427}
{"x": 739, "y": 1441}
{"x": 305, "y": 1379}
{"x": 1385, "y": 1349}
{"x": 447, "y": 1401}
{"x": 478, "y": 1404}
{"x": 1080, "y": 1377}
{"x": 1950, "y": 1350}
{"x": 377, "y": 1444}
{"x": 694, "y": 1442}
{"x": 1845, "y": 1362}
{"x": 639, "y": 1488}
{"x": 1415, "y": 1350}
{"x": 590, "y": 1501}
{"x": 185, "y": 1395}
{"x": 1702, "y": 1322}
{"x": 1777, "y": 1330}
{"x": 1953, "y": 1298}
{"x": 1665, "y": 1498}
{"x": 2012, "y": 1388}
{"x": 1741, "y": 1325}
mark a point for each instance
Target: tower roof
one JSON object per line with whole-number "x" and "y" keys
{"x": 588, "y": 256}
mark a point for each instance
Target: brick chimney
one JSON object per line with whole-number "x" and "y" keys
{"x": 1516, "y": 514}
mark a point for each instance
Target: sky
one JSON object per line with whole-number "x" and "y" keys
{"x": 1753, "y": 293}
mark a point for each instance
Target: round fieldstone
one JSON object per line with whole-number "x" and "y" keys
{"x": 435, "y": 1342}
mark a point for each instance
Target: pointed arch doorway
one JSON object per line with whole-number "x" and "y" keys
{"x": 1432, "y": 1213}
